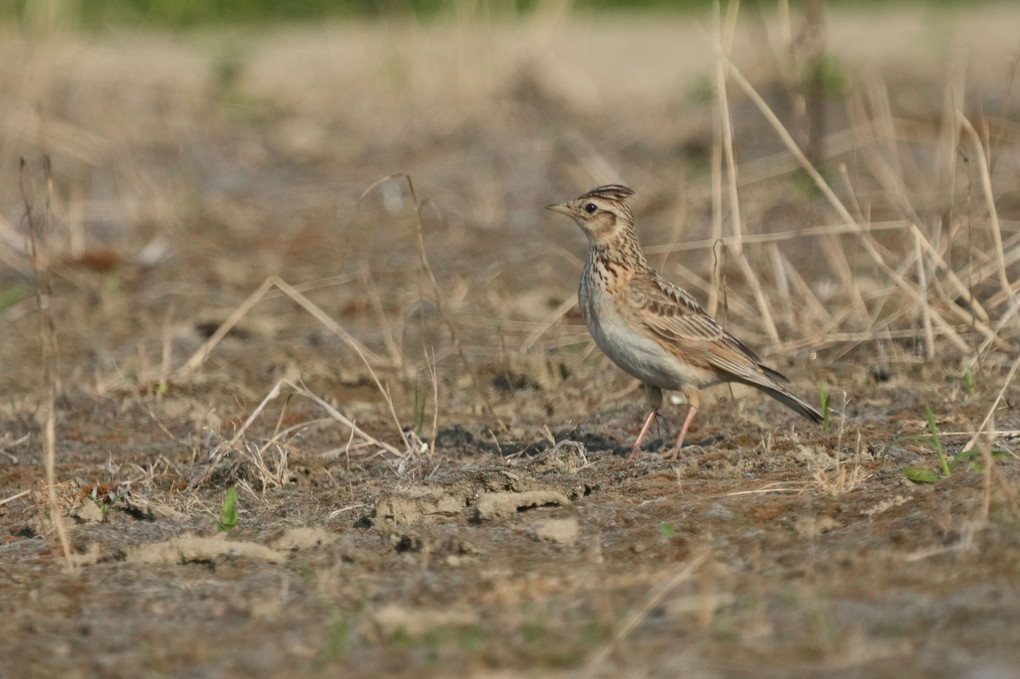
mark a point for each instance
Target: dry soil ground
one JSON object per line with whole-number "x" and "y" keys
{"x": 184, "y": 170}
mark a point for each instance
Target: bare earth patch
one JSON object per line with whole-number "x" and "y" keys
{"x": 429, "y": 457}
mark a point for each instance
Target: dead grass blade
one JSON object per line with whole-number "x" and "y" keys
{"x": 627, "y": 625}
{"x": 984, "y": 428}
{"x": 922, "y": 283}
{"x": 367, "y": 357}
{"x": 14, "y": 497}
{"x": 49, "y": 362}
{"x": 436, "y": 290}
{"x": 543, "y": 327}
{"x": 725, "y": 43}
{"x": 866, "y": 239}
{"x": 780, "y": 236}
{"x": 256, "y": 455}
{"x": 986, "y": 186}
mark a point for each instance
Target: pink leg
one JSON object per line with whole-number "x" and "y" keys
{"x": 691, "y": 410}
{"x": 636, "y": 450}
{"x": 693, "y": 403}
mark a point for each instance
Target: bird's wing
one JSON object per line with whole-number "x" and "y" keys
{"x": 676, "y": 319}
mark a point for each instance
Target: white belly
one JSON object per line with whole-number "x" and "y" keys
{"x": 636, "y": 353}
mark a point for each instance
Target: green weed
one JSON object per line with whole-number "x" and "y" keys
{"x": 966, "y": 380}
{"x": 946, "y": 465}
{"x": 105, "y": 502}
{"x": 228, "y": 516}
{"x": 825, "y": 406}
{"x": 420, "y": 399}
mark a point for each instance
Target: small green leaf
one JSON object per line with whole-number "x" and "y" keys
{"x": 921, "y": 475}
{"x": 966, "y": 379}
{"x": 420, "y": 399}
{"x": 825, "y": 406}
{"x": 228, "y": 517}
{"x": 933, "y": 427}
{"x": 667, "y": 530}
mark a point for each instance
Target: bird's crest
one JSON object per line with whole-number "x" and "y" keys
{"x": 616, "y": 192}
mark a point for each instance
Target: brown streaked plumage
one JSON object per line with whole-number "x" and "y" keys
{"x": 651, "y": 328}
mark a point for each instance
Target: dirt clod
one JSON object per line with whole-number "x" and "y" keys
{"x": 501, "y": 505}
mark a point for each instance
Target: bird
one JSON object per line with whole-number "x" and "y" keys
{"x": 654, "y": 330}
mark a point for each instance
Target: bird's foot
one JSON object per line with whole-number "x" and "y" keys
{"x": 672, "y": 454}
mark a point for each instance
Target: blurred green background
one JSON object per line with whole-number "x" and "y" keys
{"x": 97, "y": 14}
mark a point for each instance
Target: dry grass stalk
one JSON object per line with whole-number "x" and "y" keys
{"x": 780, "y": 236}
{"x": 301, "y": 390}
{"x": 842, "y": 479}
{"x": 436, "y": 290}
{"x": 986, "y": 187}
{"x": 870, "y": 246}
{"x": 543, "y": 327}
{"x": 725, "y": 43}
{"x": 776, "y": 487}
{"x": 922, "y": 283}
{"x": 12, "y": 498}
{"x": 49, "y": 355}
{"x": 627, "y": 625}
{"x": 257, "y": 455}
{"x": 953, "y": 279}
{"x": 987, "y": 424}
{"x": 932, "y": 317}
{"x": 366, "y": 356}
{"x": 430, "y": 363}
{"x": 389, "y": 333}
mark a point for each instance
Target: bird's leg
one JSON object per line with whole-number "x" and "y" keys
{"x": 640, "y": 437}
{"x": 654, "y": 395}
{"x": 693, "y": 403}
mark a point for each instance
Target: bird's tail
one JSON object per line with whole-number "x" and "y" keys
{"x": 788, "y": 399}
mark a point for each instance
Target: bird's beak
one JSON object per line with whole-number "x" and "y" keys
{"x": 562, "y": 208}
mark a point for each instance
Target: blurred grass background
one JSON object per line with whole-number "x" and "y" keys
{"x": 184, "y": 13}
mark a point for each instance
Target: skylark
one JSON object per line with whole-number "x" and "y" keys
{"x": 650, "y": 328}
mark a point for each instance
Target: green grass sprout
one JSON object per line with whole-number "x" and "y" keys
{"x": 946, "y": 465}
{"x": 825, "y": 406}
{"x": 228, "y": 516}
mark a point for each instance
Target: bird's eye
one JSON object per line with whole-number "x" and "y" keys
{"x": 590, "y": 208}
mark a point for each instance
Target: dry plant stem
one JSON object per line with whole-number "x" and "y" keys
{"x": 14, "y": 497}
{"x": 655, "y": 597}
{"x": 388, "y": 334}
{"x": 922, "y": 282}
{"x": 436, "y": 291}
{"x": 866, "y": 239}
{"x": 716, "y": 242}
{"x": 726, "y": 41}
{"x": 366, "y": 356}
{"x": 791, "y": 145}
{"x": 167, "y": 356}
{"x": 807, "y": 295}
{"x": 339, "y": 417}
{"x": 953, "y": 279}
{"x": 1006, "y": 318}
{"x": 977, "y": 315}
{"x": 995, "y": 404}
{"x": 48, "y": 350}
{"x": 986, "y": 186}
{"x": 838, "y": 262}
{"x": 302, "y": 391}
{"x": 543, "y": 327}
{"x": 778, "y": 236}
{"x": 430, "y": 362}
{"x": 202, "y": 353}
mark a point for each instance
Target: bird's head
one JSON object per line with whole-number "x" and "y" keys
{"x": 601, "y": 213}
